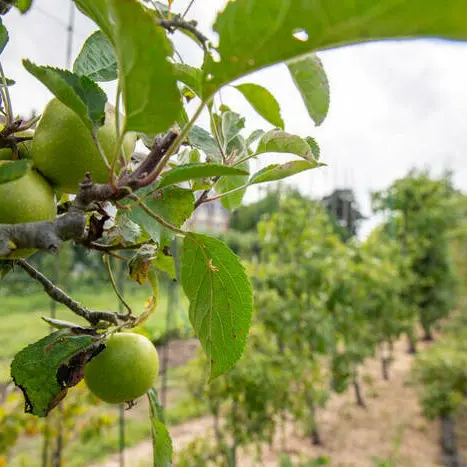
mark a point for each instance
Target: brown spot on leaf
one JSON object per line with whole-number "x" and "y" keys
{"x": 71, "y": 373}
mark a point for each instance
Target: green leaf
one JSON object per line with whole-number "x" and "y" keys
{"x": 310, "y": 78}
{"x": 23, "y": 5}
{"x": 201, "y": 139}
{"x": 126, "y": 229}
{"x": 254, "y": 34}
{"x": 165, "y": 263}
{"x": 172, "y": 203}
{"x": 221, "y": 299}
{"x": 5, "y": 267}
{"x": 183, "y": 118}
{"x": 44, "y": 370}
{"x": 263, "y": 102}
{"x": 3, "y": 36}
{"x": 9, "y": 82}
{"x": 279, "y": 171}
{"x": 161, "y": 441}
{"x": 97, "y": 59}
{"x": 232, "y": 123}
{"x": 13, "y": 170}
{"x": 187, "y": 172}
{"x": 190, "y": 76}
{"x": 149, "y": 87}
{"x": 225, "y": 184}
{"x": 79, "y": 93}
{"x": 283, "y": 142}
{"x": 255, "y": 135}
{"x": 189, "y": 156}
{"x": 314, "y": 147}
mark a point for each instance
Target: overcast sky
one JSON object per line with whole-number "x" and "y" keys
{"x": 394, "y": 105}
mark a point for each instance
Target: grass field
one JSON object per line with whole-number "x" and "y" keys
{"x": 21, "y": 323}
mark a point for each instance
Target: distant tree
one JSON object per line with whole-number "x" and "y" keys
{"x": 421, "y": 207}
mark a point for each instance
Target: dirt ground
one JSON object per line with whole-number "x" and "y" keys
{"x": 178, "y": 352}
{"x": 391, "y": 427}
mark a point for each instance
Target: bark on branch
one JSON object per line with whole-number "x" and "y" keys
{"x": 49, "y": 235}
{"x": 57, "y": 294}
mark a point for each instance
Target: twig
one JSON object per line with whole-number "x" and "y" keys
{"x": 155, "y": 216}
{"x": 9, "y": 109}
{"x": 200, "y": 201}
{"x": 187, "y": 9}
{"x": 118, "y": 246}
{"x": 161, "y": 150}
{"x": 101, "y": 151}
{"x": 175, "y": 145}
{"x": 179, "y": 23}
{"x": 57, "y": 294}
{"x": 202, "y": 198}
{"x": 114, "y": 285}
{"x": 217, "y": 138}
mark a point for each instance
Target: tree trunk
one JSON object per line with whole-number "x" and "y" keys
{"x": 357, "y": 388}
{"x": 449, "y": 453}
{"x": 57, "y": 453}
{"x": 385, "y": 361}
{"x": 312, "y": 429}
{"x": 283, "y": 434}
{"x": 165, "y": 348}
{"x": 46, "y": 443}
{"x": 233, "y": 455}
{"x": 412, "y": 341}
{"x": 385, "y": 368}
{"x": 315, "y": 438}
{"x": 428, "y": 337}
{"x": 121, "y": 435}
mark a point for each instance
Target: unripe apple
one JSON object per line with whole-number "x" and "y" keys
{"x": 124, "y": 370}
{"x": 63, "y": 149}
{"x": 26, "y": 199}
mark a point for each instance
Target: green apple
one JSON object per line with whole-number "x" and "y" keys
{"x": 63, "y": 149}
{"x": 27, "y": 199}
{"x": 124, "y": 370}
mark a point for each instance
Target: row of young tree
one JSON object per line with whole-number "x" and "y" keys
{"x": 323, "y": 306}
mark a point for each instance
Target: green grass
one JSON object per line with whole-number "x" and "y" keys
{"x": 78, "y": 454}
{"x": 21, "y": 323}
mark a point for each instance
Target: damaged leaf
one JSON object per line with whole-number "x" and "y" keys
{"x": 46, "y": 369}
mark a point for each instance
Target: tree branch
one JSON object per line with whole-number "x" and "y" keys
{"x": 57, "y": 294}
{"x": 49, "y": 235}
{"x": 177, "y": 22}
{"x": 114, "y": 247}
